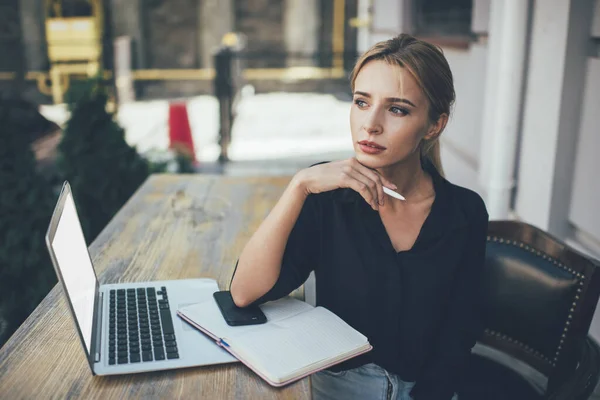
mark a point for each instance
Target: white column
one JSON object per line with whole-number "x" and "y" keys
{"x": 494, "y": 47}
{"x": 363, "y": 15}
{"x": 301, "y": 31}
{"x": 390, "y": 18}
{"x": 504, "y": 119}
{"x": 552, "y": 112}
{"x": 128, "y": 20}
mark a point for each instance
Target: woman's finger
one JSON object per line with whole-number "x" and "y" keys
{"x": 364, "y": 186}
{"x": 384, "y": 181}
{"x": 377, "y": 179}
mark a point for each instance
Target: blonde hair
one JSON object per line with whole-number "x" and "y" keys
{"x": 429, "y": 67}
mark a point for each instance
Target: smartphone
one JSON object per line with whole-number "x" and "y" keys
{"x": 236, "y": 316}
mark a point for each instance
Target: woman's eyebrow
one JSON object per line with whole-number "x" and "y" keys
{"x": 389, "y": 99}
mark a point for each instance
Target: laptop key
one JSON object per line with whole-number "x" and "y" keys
{"x": 167, "y": 321}
{"x": 123, "y": 360}
{"x": 146, "y": 347}
{"x": 171, "y": 350}
{"x": 159, "y": 354}
{"x": 134, "y": 358}
{"x": 169, "y": 337}
{"x": 170, "y": 343}
{"x": 147, "y": 356}
{"x": 111, "y": 360}
{"x": 172, "y": 356}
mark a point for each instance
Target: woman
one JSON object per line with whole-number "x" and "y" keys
{"x": 406, "y": 274}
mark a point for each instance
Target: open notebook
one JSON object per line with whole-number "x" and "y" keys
{"x": 297, "y": 339}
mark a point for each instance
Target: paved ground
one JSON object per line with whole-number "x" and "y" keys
{"x": 275, "y": 133}
{"x": 268, "y": 126}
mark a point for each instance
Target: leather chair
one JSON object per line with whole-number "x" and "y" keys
{"x": 541, "y": 297}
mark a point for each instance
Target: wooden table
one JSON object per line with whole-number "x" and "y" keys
{"x": 174, "y": 227}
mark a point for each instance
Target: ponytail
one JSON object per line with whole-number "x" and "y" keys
{"x": 431, "y": 152}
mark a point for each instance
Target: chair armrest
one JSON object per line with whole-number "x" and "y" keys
{"x": 583, "y": 380}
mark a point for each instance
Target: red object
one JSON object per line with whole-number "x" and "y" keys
{"x": 180, "y": 132}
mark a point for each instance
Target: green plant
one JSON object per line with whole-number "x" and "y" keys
{"x": 26, "y": 204}
{"x": 103, "y": 170}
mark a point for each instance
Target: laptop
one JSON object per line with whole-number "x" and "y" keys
{"x": 126, "y": 327}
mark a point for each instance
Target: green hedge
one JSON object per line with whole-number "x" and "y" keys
{"x": 103, "y": 170}
{"x": 26, "y": 204}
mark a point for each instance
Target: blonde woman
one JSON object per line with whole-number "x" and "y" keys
{"x": 406, "y": 274}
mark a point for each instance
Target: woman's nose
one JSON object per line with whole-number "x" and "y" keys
{"x": 372, "y": 123}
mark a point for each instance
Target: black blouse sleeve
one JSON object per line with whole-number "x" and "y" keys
{"x": 301, "y": 255}
{"x": 464, "y": 322}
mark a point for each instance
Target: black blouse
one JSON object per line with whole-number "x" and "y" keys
{"x": 421, "y": 309}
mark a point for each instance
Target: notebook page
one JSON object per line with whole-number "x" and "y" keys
{"x": 208, "y": 315}
{"x": 291, "y": 345}
{"x": 284, "y": 308}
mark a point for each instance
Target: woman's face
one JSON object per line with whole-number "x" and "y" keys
{"x": 389, "y": 115}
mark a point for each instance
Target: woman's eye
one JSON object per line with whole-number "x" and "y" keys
{"x": 399, "y": 110}
{"x": 360, "y": 103}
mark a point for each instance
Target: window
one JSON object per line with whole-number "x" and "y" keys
{"x": 442, "y": 17}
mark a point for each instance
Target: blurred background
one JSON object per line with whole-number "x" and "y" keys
{"x": 106, "y": 92}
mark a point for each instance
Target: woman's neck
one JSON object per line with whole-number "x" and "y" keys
{"x": 410, "y": 179}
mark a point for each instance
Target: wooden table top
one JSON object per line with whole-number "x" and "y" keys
{"x": 173, "y": 227}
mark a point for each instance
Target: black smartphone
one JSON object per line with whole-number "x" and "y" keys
{"x": 236, "y": 316}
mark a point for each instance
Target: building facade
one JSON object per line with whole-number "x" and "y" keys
{"x": 172, "y": 42}
{"x": 524, "y": 133}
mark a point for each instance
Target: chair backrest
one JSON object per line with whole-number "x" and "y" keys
{"x": 541, "y": 297}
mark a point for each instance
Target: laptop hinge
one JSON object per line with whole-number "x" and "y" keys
{"x": 99, "y": 332}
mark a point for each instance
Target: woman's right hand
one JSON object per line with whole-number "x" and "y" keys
{"x": 345, "y": 174}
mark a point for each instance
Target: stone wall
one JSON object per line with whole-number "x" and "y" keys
{"x": 171, "y": 28}
{"x": 10, "y": 36}
{"x": 261, "y": 21}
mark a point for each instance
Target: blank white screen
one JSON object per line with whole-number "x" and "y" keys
{"x": 76, "y": 268}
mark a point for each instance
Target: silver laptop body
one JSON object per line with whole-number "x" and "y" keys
{"x": 126, "y": 327}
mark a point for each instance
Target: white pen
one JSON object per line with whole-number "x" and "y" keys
{"x": 393, "y": 194}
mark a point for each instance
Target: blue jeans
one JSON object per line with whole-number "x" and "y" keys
{"x": 367, "y": 382}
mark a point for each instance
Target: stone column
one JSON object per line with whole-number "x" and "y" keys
{"x": 216, "y": 19}
{"x": 127, "y": 20}
{"x": 33, "y": 34}
{"x": 552, "y": 112}
{"x": 504, "y": 86}
{"x": 301, "y": 31}
{"x": 390, "y": 18}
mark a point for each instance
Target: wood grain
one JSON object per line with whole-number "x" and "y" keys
{"x": 174, "y": 227}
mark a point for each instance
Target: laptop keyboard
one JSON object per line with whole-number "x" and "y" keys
{"x": 140, "y": 326}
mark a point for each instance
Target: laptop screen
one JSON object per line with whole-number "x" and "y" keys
{"x": 76, "y": 268}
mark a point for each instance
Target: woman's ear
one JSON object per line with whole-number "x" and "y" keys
{"x": 436, "y": 129}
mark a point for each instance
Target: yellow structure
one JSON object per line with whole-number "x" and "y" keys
{"x": 74, "y": 34}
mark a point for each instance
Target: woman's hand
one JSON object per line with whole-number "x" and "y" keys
{"x": 345, "y": 174}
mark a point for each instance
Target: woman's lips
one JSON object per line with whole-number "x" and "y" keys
{"x": 370, "y": 147}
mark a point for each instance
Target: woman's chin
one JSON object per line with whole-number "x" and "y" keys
{"x": 370, "y": 161}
